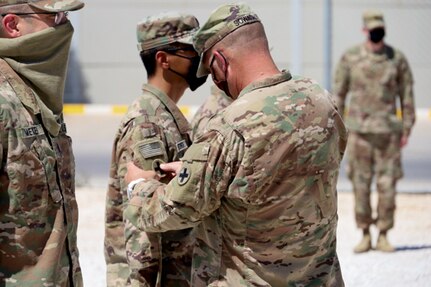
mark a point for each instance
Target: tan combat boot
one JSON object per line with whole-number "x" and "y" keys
{"x": 383, "y": 244}
{"x": 364, "y": 245}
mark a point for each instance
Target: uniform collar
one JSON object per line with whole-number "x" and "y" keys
{"x": 182, "y": 123}
{"x": 22, "y": 91}
{"x": 270, "y": 81}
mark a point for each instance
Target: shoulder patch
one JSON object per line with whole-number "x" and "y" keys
{"x": 184, "y": 176}
{"x": 150, "y": 149}
{"x": 181, "y": 146}
{"x": 148, "y": 132}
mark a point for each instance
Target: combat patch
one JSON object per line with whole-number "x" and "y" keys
{"x": 184, "y": 176}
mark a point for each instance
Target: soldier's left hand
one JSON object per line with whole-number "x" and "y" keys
{"x": 404, "y": 140}
{"x": 134, "y": 172}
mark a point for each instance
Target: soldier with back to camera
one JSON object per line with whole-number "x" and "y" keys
{"x": 260, "y": 185}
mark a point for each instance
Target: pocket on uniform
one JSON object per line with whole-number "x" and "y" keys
{"x": 28, "y": 185}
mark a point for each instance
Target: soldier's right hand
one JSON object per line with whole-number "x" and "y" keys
{"x": 171, "y": 168}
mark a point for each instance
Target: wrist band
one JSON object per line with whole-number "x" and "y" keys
{"x": 131, "y": 186}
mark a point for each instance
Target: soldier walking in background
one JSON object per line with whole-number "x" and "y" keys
{"x": 38, "y": 210}
{"x": 375, "y": 75}
{"x": 260, "y": 186}
{"x": 153, "y": 131}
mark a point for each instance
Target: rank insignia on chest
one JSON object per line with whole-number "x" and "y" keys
{"x": 184, "y": 176}
{"x": 151, "y": 149}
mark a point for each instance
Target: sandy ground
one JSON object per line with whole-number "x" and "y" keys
{"x": 410, "y": 265}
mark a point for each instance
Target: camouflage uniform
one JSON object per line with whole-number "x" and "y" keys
{"x": 217, "y": 101}
{"x": 38, "y": 209}
{"x": 153, "y": 131}
{"x": 374, "y": 82}
{"x": 259, "y": 187}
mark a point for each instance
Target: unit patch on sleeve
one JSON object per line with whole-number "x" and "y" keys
{"x": 184, "y": 176}
{"x": 181, "y": 146}
{"x": 150, "y": 149}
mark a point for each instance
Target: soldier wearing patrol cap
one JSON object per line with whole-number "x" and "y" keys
{"x": 152, "y": 132}
{"x": 375, "y": 75}
{"x": 260, "y": 186}
{"x": 38, "y": 210}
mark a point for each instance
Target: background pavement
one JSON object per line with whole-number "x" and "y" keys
{"x": 410, "y": 265}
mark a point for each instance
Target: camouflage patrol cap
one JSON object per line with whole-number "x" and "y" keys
{"x": 222, "y": 21}
{"x": 164, "y": 29}
{"x": 46, "y": 5}
{"x": 373, "y": 19}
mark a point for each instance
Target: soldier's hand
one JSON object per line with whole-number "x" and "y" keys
{"x": 404, "y": 140}
{"x": 134, "y": 172}
{"x": 171, "y": 168}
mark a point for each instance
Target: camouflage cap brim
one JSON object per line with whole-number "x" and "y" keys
{"x": 188, "y": 40}
{"x": 56, "y": 5}
{"x": 202, "y": 71}
{"x": 375, "y": 24}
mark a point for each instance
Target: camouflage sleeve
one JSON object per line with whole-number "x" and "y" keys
{"x": 141, "y": 142}
{"x": 198, "y": 122}
{"x": 406, "y": 95}
{"x": 208, "y": 167}
{"x": 1, "y": 146}
{"x": 341, "y": 83}
{"x": 215, "y": 103}
{"x": 1, "y": 155}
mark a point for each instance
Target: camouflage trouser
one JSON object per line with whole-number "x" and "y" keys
{"x": 143, "y": 252}
{"x": 378, "y": 154}
{"x": 159, "y": 259}
{"x": 117, "y": 270}
{"x": 117, "y": 274}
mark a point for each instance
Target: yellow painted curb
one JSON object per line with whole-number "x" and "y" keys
{"x": 119, "y": 110}
{"x": 74, "y": 109}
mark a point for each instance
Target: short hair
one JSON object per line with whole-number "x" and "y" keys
{"x": 1, "y": 26}
{"x": 250, "y": 37}
{"x": 148, "y": 57}
{"x": 149, "y": 61}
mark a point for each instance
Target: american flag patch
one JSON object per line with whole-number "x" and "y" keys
{"x": 150, "y": 149}
{"x": 181, "y": 145}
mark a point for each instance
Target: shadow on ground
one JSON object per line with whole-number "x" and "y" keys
{"x": 412, "y": 247}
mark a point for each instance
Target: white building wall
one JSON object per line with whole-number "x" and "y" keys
{"x": 113, "y": 72}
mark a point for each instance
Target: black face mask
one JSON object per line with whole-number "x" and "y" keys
{"x": 376, "y": 35}
{"x": 191, "y": 79}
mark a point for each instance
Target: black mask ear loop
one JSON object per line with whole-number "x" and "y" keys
{"x": 221, "y": 84}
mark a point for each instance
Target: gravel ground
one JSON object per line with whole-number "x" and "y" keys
{"x": 410, "y": 265}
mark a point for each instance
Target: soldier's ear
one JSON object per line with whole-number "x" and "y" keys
{"x": 162, "y": 59}
{"x": 10, "y": 26}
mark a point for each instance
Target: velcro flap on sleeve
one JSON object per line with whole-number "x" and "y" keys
{"x": 187, "y": 184}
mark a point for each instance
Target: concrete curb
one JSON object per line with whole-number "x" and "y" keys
{"x": 187, "y": 110}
